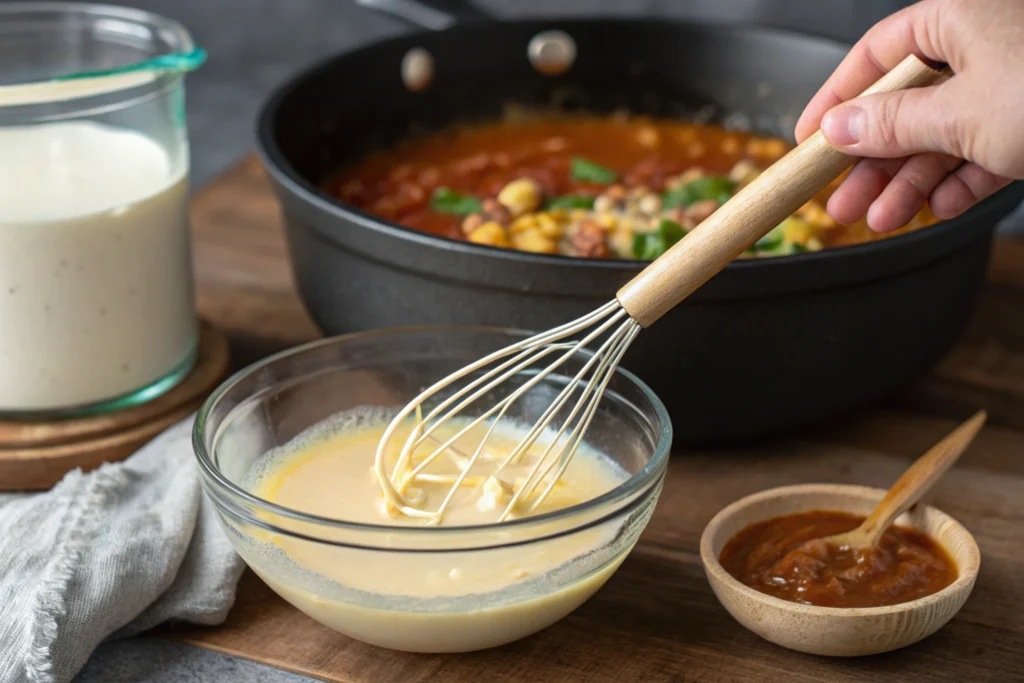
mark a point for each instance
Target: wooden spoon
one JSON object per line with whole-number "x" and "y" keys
{"x": 914, "y": 483}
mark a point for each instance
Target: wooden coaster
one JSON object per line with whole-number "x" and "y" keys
{"x": 36, "y": 454}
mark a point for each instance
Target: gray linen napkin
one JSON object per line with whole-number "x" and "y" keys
{"x": 108, "y": 554}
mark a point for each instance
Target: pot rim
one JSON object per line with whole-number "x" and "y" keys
{"x": 944, "y": 236}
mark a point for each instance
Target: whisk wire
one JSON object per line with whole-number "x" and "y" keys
{"x": 549, "y": 414}
{"x": 502, "y": 407}
{"x": 412, "y": 444}
{"x": 545, "y": 418}
{"x": 576, "y": 437}
{"x": 530, "y": 345}
{"x": 593, "y": 386}
{"x": 572, "y": 349}
{"x": 508, "y": 362}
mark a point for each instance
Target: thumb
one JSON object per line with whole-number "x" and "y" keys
{"x": 898, "y": 124}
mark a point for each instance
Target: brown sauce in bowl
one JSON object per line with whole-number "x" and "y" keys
{"x": 786, "y": 557}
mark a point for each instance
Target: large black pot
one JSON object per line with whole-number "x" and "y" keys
{"x": 766, "y": 346}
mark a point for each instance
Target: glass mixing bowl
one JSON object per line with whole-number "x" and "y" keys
{"x": 271, "y": 402}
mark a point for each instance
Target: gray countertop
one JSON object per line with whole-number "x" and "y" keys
{"x": 254, "y": 45}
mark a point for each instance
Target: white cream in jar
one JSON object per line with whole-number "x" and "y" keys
{"x": 96, "y": 298}
{"x": 453, "y": 600}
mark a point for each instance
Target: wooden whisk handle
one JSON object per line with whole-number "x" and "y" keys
{"x": 769, "y": 199}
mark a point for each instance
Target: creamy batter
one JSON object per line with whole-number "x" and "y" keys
{"x": 434, "y": 602}
{"x": 95, "y": 270}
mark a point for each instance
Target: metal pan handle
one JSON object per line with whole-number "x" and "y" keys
{"x": 433, "y": 15}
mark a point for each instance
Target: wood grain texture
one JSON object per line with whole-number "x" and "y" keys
{"x": 751, "y": 213}
{"x": 657, "y": 618}
{"x": 243, "y": 279}
{"x": 36, "y": 455}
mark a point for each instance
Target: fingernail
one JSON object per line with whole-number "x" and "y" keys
{"x": 843, "y": 125}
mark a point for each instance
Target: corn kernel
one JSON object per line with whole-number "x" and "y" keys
{"x": 743, "y": 172}
{"x": 797, "y": 231}
{"x": 685, "y": 178}
{"x": 533, "y": 240}
{"x": 621, "y": 242}
{"x": 490, "y": 233}
{"x": 527, "y": 222}
{"x": 548, "y": 226}
{"x": 651, "y": 204}
{"x": 607, "y": 221}
{"x": 604, "y": 203}
{"x": 816, "y": 215}
{"x": 520, "y": 196}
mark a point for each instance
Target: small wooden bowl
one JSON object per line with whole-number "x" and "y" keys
{"x": 833, "y": 631}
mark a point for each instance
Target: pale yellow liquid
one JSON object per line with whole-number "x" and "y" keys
{"x": 512, "y": 590}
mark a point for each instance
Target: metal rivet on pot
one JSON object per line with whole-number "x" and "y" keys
{"x": 417, "y": 69}
{"x": 552, "y": 52}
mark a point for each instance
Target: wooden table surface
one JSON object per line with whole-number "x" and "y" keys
{"x": 657, "y": 619}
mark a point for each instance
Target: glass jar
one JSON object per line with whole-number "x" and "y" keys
{"x": 96, "y": 296}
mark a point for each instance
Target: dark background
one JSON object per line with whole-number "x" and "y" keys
{"x": 255, "y": 44}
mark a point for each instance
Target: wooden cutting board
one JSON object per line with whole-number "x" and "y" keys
{"x": 657, "y": 619}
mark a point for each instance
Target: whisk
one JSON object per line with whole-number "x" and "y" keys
{"x": 734, "y": 227}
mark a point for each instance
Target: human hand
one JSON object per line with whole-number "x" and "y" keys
{"x": 951, "y": 144}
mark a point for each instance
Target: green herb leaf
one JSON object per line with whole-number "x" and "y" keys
{"x": 647, "y": 246}
{"x": 571, "y": 201}
{"x": 587, "y": 171}
{"x": 709, "y": 187}
{"x": 650, "y": 245}
{"x": 675, "y": 198}
{"x": 671, "y": 231}
{"x": 446, "y": 200}
{"x": 772, "y": 242}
